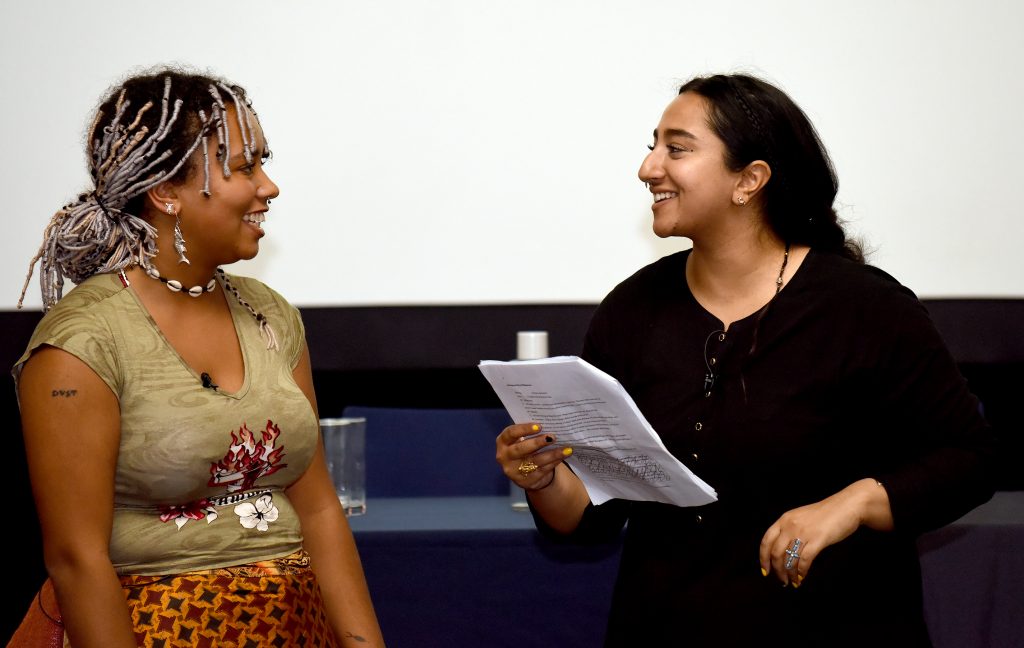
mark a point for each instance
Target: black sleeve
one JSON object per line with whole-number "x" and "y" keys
{"x": 596, "y": 341}
{"x": 599, "y": 524}
{"x": 946, "y": 448}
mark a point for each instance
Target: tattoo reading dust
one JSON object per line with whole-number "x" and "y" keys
{"x": 64, "y": 393}
{"x": 349, "y": 635}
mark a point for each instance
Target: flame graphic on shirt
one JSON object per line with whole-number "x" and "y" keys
{"x": 248, "y": 459}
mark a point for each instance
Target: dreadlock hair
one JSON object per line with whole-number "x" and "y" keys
{"x": 757, "y": 121}
{"x": 145, "y": 132}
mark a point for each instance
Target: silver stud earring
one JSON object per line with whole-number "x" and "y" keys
{"x": 741, "y": 201}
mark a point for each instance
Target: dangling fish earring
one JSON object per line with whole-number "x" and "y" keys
{"x": 179, "y": 240}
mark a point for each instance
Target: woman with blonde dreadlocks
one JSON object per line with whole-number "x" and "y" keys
{"x": 168, "y": 407}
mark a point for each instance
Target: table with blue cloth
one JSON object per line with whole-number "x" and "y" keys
{"x": 470, "y": 571}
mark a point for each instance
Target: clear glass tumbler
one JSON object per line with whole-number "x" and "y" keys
{"x": 345, "y": 448}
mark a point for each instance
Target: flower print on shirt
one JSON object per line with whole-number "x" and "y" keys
{"x": 197, "y": 510}
{"x": 245, "y": 461}
{"x": 257, "y": 514}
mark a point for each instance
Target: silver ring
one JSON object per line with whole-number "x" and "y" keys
{"x": 793, "y": 554}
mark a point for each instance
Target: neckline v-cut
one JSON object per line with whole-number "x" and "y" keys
{"x": 233, "y": 310}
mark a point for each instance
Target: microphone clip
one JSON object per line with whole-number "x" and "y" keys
{"x": 207, "y": 381}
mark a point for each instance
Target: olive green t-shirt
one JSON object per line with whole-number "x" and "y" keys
{"x": 200, "y": 473}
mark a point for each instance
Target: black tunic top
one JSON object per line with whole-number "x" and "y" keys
{"x": 842, "y": 377}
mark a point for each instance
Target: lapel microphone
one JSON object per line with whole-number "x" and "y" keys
{"x": 207, "y": 381}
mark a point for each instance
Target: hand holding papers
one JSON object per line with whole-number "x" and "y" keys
{"x": 616, "y": 453}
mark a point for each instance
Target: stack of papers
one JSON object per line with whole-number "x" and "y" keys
{"x": 616, "y": 452}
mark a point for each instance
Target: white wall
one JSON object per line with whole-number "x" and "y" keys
{"x": 461, "y": 152}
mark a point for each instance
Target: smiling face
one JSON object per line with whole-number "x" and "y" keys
{"x": 692, "y": 188}
{"x": 226, "y": 226}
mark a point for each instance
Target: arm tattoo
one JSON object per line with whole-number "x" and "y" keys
{"x": 64, "y": 393}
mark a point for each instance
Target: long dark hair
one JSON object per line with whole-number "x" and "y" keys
{"x": 757, "y": 121}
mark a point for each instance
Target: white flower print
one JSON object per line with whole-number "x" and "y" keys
{"x": 257, "y": 514}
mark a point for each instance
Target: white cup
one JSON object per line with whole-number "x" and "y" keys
{"x": 531, "y": 345}
{"x": 345, "y": 448}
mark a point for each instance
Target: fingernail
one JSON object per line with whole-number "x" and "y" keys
{"x": 566, "y": 451}
{"x": 796, "y": 583}
{"x": 549, "y": 439}
{"x": 535, "y": 427}
{"x": 764, "y": 572}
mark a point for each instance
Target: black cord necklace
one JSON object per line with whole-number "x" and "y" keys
{"x": 710, "y": 376}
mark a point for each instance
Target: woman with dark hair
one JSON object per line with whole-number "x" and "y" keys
{"x": 168, "y": 407}
{"x": 809, "y": 389}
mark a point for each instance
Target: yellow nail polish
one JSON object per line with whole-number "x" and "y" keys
{"x": 566, "y": 451}
{"x": 535, "y": 427}
{"x": 764, "y": 572}
{"x": 796, "y": 584}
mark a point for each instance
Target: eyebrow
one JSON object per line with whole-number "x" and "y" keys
{"x": 675, "y": 132}
{"x": 240, "y": 157}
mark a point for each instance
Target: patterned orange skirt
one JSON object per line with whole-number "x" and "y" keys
{"x": 270, "y": 603}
